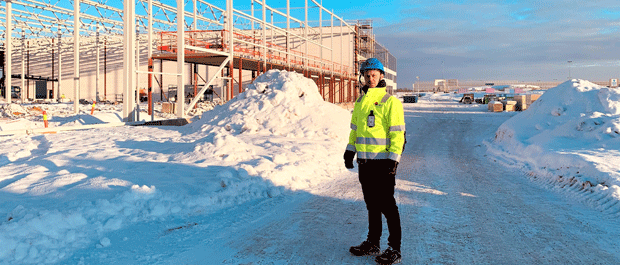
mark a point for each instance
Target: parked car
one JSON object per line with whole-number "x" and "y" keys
{"x": 16, "y": 92}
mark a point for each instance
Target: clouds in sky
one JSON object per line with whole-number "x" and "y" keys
{"x": 525, "y": 40}
{"x": 490, "y": 40}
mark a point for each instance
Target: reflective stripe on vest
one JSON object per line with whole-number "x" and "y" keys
{"x": 372, "y": 141}
{"x": 397, "y": 128}
{"x": 370, "y": 155}
{"x": 385, "y": 98}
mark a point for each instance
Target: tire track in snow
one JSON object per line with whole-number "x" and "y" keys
{"x": 457, "y": 207}
{"x": 474, "y": 212}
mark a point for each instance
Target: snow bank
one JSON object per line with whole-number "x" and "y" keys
{"x": 67, "y": 191}
{"x": 283, "y": 116}
{"x": 279, "y": 103}
{"x": 571, "y": 136}
{"x": 440, "y": 96}
{"x": 30, "y": 116}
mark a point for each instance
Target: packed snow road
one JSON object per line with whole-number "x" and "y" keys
{"x": 457, "y": 206}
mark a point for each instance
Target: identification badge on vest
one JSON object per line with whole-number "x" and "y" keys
{"x": 371, "y": 120}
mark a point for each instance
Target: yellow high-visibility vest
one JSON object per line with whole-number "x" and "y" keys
{"x": 384, "y": 140}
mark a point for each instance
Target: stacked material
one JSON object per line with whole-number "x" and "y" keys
{"x": 524, "y": 101}
{"x": 496, "y": 106}
{"x": 167, "y": 107}
{"x": 521, "y": 102}
{"x": 531, "y": 98}
{"x": 509, "y": 105}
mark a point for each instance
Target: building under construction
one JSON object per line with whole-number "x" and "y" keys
{"x": 175, "y": 52}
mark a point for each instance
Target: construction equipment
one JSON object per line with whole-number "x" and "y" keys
{"x": 467, "y": 98}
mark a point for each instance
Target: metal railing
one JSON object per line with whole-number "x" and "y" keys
{"x": 248, "y": 47}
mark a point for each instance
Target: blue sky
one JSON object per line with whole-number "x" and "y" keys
{"x": 522, "y": 40}
{"x": 495, "y": 40}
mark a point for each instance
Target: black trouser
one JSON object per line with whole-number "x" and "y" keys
{"x": 378, "y": 184}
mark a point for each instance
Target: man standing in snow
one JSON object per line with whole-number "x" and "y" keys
{"x": 378, "y": 137}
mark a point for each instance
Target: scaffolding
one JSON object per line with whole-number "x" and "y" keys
{"x": 366, "y": 38}
{"x": 192, "y": 32}
{"x": 367, "y": 47}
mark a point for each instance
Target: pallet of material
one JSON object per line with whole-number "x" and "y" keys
{"x": 531, "y": 98}
{"x": 167, "y": 107}
{"x": 496, "y": 106}
{"x": 521, "y": 102}
{"x": 509, "y": 105}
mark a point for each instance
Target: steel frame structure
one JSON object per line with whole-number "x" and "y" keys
{"x": 50, "y": 23}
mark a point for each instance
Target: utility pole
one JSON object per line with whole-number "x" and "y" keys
{"x": 569, "y": 78}
{"x": 417, "y": 82}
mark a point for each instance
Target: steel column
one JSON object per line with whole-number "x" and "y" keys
{"x": 129, "y": 63}
{"x": 231, "y": 50}
{"x": 322, "y": 82}
{"x": 27, "y": 69}
{"x": 97, "y": 70}
{"x": 23, "y": 78}
{"x": 331, "y": 89}
{"x": 195, "y": 79}
{"x": 59, "y": 63}
{"x": 105, "y": 69}
{"x": 76, "y": 57}
{"x": 53, "y": 86}
{"x": 321, "y": 37}
{"x": 150, "y": 88}
{"x": 180, "y": 106}
{"x": 264, "y": 33}
{"x": 8, "y": 55}
{"x": 240, "y": 75}
{"x": 149, "y": 52}
{"x": 288, "y": 30}
{"x": 137, "y": 63}
{"x": 306, "y": 36}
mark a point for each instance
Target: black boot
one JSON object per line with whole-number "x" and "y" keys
{"x": 389, "y": 256}
{"x": 365, "y": 249}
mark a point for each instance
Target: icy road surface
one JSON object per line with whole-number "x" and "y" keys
{"x": 457, "y": 206}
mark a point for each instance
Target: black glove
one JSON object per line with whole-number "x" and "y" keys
{"x": 348, "y": 158}
{"x": 392, "y": 165}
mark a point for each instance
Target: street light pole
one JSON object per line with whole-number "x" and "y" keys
{"x": 418, "y": 81}
{"x": 569, "y": 77}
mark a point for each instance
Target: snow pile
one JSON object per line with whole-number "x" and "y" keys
{"x": 570, "y": 135}
{"x": 280, "y": 121}
{"x": 30, "y": 116}
{"x": 440, "y": 96}
{"x": 12, "y": 110}
{"x": 279, "y": 103}
{"x": 200, "y": 108}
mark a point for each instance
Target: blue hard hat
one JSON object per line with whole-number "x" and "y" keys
{"x": 370, "y": 64}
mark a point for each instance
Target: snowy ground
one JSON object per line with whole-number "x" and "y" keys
{"x": 260, "y": 180}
